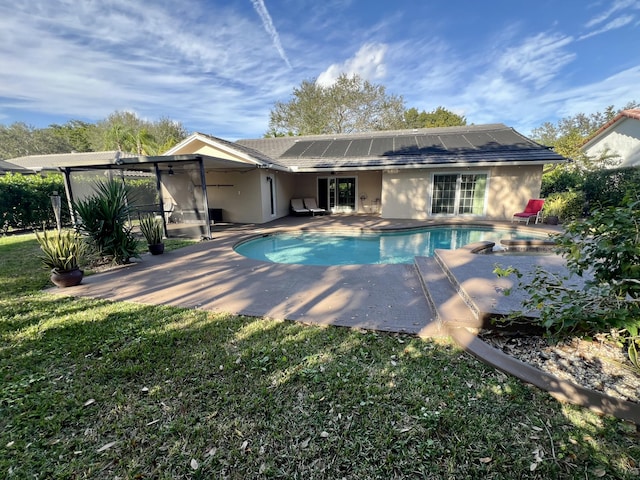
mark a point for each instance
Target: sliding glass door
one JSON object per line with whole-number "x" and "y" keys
{"x": 337, "y": 194}
{"x": 459, "y": 194}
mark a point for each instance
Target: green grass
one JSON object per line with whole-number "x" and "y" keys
{"x": 94, "y": 389}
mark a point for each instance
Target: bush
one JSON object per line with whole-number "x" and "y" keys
{"x": 560, "y": 180}
{"x": 604, "y": 248}
{"x": 610, "y": 187}
{"x": 25, "y": 201}
{"x": 104, "y": 218}
{"x": 566, "y": 205}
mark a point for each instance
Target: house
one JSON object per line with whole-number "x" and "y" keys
{"x": 478, "y": 171}
{"x": 619, "y": 137}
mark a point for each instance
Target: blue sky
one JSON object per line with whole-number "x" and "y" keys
{"x": 218, "y": 66}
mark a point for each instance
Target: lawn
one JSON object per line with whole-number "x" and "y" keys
{"x": 95, "y": 389}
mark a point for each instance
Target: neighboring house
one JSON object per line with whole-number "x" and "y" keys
{"x": 619, "y": 137}
{"x": 6, "y": 167}
{"x": 478, "y": 171}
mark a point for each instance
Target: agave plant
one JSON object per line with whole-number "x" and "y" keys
{"x": 61, "y": 252}
{"x": 152, "y": 229}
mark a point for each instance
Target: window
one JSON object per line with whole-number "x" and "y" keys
{"x": 458, "y": 194}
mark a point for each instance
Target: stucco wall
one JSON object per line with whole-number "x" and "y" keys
{"x": 623, "y": 139}
{"x": 407, "y": 193}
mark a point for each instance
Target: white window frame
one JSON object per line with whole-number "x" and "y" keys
{"x": 457, "y": 193}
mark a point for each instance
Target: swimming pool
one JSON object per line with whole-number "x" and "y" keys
{"x": 368, "y": 248}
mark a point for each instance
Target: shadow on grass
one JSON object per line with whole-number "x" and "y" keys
{"x": 98, "y": 389}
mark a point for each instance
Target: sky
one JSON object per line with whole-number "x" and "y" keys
{"x": 219, "y": 66}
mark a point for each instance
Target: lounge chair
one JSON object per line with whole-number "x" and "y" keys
{"x": 298, "y": 208}
{"x": 532, "y": 210}
{"x": 311, "y": 204}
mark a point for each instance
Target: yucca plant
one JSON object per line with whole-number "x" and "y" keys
{"x": 104, "y": 218}
{"x": 61, "y": 252}
{"x": 152, "y": 229}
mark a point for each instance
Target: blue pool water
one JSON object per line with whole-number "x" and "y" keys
{"x": 368, "y": 248}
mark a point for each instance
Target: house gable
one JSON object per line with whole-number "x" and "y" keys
{"x": 620, "y": 136}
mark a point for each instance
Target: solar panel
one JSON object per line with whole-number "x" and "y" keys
{"x": 359, "y": 148}
{"x": 382, "y": 146}
{"x": 429, "y": 143}
{"x": 455, "y": 142}
{"x": 317, "y": 148}
{"x": 297, "y": 149}
{"x": 405, "y": 144}
{"x": 337, "y": 148}
{"x": 509, "y": 139}
{"x": 480, "y": 140}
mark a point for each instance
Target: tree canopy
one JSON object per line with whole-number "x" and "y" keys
{"x": 440, "y": 117}
{"x": 350, "y": 105}
{"x": 123, "y": 131}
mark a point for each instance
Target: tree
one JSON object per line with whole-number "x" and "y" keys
{"x": 350, "y": 105}
{"x": 75, "y": 133}
{"x": 20, "y": 139}
{"x": 126, "y": 132}
{"x": 440, "y": 117}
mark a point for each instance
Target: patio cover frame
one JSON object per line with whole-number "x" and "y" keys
{"x": 152, "y": 164}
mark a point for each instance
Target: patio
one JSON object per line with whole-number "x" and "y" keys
{"x": 212, "y": 276}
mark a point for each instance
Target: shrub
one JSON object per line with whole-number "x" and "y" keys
{"x": 610, "y": 187}
{"x": 605, "y": 248}
{"x": 25, "y": 201}
{"x": 566, "y": 205}
{"x": 560, "y": 180}
{"x": 105, "y": 220}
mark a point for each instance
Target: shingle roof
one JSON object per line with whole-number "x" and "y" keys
{"x": 495, "y": 143}
{"x": 6, "y": 167}
{"x": 53, "y": 161}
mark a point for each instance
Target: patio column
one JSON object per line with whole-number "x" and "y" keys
{"x": 205, "y": 197}
{"x": 161, "y": 201}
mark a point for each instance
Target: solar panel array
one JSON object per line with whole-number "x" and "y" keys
{"x": 401, "y": 145}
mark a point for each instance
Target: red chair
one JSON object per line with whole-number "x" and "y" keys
{"x": 532, "y": 210}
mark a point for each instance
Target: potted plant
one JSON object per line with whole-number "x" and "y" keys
{"x": 152, "y": 230}
{"x": 63, "y": 253}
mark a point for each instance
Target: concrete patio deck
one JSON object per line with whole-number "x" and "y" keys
{"x": 210, "y": 275}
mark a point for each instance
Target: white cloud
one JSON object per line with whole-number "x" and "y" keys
{"x": 538, "y": 59}
{"x": 616, "y": 6}
{"x": 618, "y": 22}
{"x": 368, "y": 63}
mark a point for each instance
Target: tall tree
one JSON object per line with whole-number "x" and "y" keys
{"x": 126, "y": 132}
{"x": 75, "y": 133}
{"x": 20, "y": 139}
{"x": 351, "y": 104}
{"x": 440, "y": 117}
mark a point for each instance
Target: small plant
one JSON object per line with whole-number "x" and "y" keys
{"x": 61, "y": 252}
{"x": 152, "y": 229}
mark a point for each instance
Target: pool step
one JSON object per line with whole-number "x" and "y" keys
{"x": 448, "y": 305}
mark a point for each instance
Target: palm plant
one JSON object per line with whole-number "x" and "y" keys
{"x": 105, "y": 220}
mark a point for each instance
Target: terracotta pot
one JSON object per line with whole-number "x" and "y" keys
{"x": 156, "y": 249}
{"x": 69, "y": 278}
